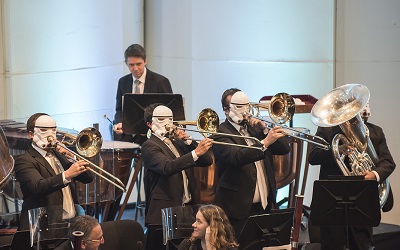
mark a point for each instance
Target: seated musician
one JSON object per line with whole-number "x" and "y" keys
{"x": 168, "y": 167}
{"x": 47, "y": 178}
{"x": 211, "y": 231}
{"x": 246, "y": 184}
{"x": 92, "y": 236}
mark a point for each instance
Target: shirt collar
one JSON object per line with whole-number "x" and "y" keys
{"x": 236, "y": 126}
{"x": 143, "y": 77}
{"x": 41, "y": 151}
{"x": 162, "y": 138}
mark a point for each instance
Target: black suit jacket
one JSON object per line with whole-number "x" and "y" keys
{"x": 237, "y": 172}
{"x": 40, "y": 185}
{"x": 163, "y": 178}
{"x": 154, "y": 83}
{"x": 328, "y": 163}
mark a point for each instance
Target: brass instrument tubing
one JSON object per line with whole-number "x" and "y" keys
{"x": 121, "y": 186}
{"x": 225, "y": 143}
{"x": 324, "y": 146}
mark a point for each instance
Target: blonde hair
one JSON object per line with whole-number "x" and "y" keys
{"x": 222, "y": 233}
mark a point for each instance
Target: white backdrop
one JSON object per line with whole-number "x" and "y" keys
{"x": 73, "y": 52}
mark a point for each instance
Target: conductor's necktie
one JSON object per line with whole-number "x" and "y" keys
{"x": 186, "y": 195}
{"x": 68, "y": 203}
{"x": 137, "y": 86}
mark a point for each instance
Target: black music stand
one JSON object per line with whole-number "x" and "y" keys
{"x": 345, "y": 203}
{"x": 267, "y": 230}
{"x": 134, "y": 105}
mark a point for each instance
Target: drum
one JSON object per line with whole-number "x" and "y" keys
{"x": 287, "y": 167}
{"x": 206, "y": 181}
{"x": 118, "y": 154}
{"x": 115, "y": 158}
{"x": 6, "y": 160}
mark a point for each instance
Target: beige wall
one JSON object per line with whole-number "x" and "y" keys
{"x": 368, "y": 52}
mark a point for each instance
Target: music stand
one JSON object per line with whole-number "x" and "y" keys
{"x": 345, "y": 203}
{"x": 134, "y": 105}
{"x": 267, "y": 230}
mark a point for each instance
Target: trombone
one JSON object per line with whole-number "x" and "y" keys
{"x": 281, "y": 110}
{"x": 207, "y": 123}
{"x": 88, "y": 143}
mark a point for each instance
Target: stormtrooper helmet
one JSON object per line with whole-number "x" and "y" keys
{"x": 239, "y": 105}
{"x": 45, "y": 126}
{"x": 162, "y": 116}
{"x": 366, "y": 112}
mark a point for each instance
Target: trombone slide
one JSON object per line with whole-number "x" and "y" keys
{"x": 119, "y": 185}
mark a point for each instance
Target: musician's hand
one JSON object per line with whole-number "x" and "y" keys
{"x": 203, "y": 146}
{"x": 346, "y": 149}
{"x": 65, "y": 152}
{"x": 254, "y": 122}
{"x": 208, "y": 239}
{"x": 274, "y": 134}
{"x": 76, "y": 169}
{"x": 118, "y": 128}
{"x": 368, "y": 175}
{"x": 181, "y": 134}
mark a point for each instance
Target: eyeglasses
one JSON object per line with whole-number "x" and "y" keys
{"x": 98, "y": 240}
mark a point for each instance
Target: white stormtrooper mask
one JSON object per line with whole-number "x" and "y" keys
{"x": 239, "y": 105}
{"x": 365, "y": 112}
{"x": 162, "y": 116}
{"x": 45, "y": 126}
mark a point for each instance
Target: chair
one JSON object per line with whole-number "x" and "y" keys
{"x": 122, "y": 235}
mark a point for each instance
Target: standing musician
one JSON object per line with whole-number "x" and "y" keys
{"x": 359, "y": 238}
{"x": 168, "y": 166}
{"x": 141, "y": 80}
{"x": 246, "y": 183}
{"x": 45, "y": 175}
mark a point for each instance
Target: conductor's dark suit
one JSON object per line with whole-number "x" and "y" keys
{"x": 330, "y": 237}
{"x": 237, "y": 172}
{"x": 40, "y": 185}
{"x": 154, "y": 83}
{"x": 163, "y": 178}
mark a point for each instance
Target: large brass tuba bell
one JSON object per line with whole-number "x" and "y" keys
{"x": 342, "y": 106}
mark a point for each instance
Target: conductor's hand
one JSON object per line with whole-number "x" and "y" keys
{"x": 274, "y": 134}
{"x": 203, "y": 146}
{"x": 118, "y": 128}
{"x": 75, "y": 169}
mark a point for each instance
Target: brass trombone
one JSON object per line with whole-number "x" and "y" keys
{"x": 88, "y": 143}
{"x": 207, "y": 123}
{"x": 281, "y": 109}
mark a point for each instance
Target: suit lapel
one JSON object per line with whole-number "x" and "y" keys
{"x": 128, "y": 84}
{"x": 233, "y": 131}
{"x": 163, "y": 146}
{"x": 41, "y": 160}
{"x": 148, "y": 80}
